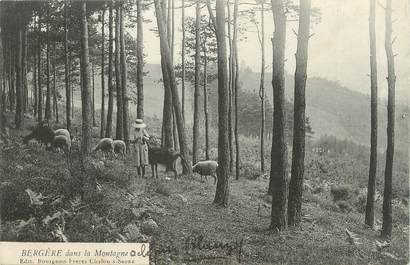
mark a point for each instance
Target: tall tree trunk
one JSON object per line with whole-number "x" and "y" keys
{"x": 48, "y": 93}
{"x": 85, "y": 91}
{"x": 140, "y": 62}
{"x": 165, "y": 52}
{"x": 262, "y": 88}
{"x": 167, "y": 139}
{"x": 19, "y": 90}
{"x": 278, "y": 182}
{"x": 230, "y": 88}
{"x": 236, "y": 86}
{"x": 67, "y": 69}
{"x": 102, "y": 121}
{"x": 2, "y": 83}
{"x": 391, "y": 81}
{"x": 55, "y": 105}
{"x": 12, "y": 89}
{"x": 206, "y": 113}
{"x": 298, "y": 154}
{"x": 195, "y": 135}
{"x": 108, "y": 131}
{"x": 93, "y": 94}
{"x": 124, "y": 79}
{"x": 40, "y": 90}
{"x": 35, "y": 78}
{"x": 371, "y": 187}
{"x": 71, "y": 86}
{"x": 24, "y": 68}
{"x": 222, "y": 187}
{"x": 183, "y": 58}
{"x": 167, "y": 133}
{"x": 119, "y": 126}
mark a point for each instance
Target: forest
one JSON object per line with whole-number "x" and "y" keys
{"x": 94, "y": 95}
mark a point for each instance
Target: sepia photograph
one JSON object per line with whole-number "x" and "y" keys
{"x": 214, "y": 132}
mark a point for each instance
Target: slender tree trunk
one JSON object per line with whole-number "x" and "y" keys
{"x": 195, "y": 135}
{"x": 85, "y": 92}
{"x": 183, "y": 58}
{"x": 262, "y": 89}
{"x": 93, "y": 94}
{"x": 40, "y": 90}
{"x": 48, "y": 94}
{"x": 167, "y": 139}
{"x": 186, "y": 168}
{"x": 206, "y": 104}
{"x": 102, "y": 121}
{"x": 67, "y": 69}
{"x": 108, "y": 131}
{"x": 140, "y": 62}
{"x": 222, "y": 187}
{"x": 236, "y": 85}
{"x": 35, "y": 78}
{"x": 19, "y": 90}
{"x": 391, "y": 81}
{"x": 71, "y": 88}
{"x": 278, "y": 182}
{"x": 120, "y": 110}
{"x": 12, "y": 96}
{"x": 299, "y": 121}
{"x": 167, "y": 133}
{"x": 24, "y": 69}
{"x": 173, "y": 31}
{"x": 2, "y": 79}
{"x": 174, "y": 122}
{"x": 55, "y": 105}
{"x": 124, "y": 79}
{"x": 371, "y": 188}
{"x": 230, "y": 88}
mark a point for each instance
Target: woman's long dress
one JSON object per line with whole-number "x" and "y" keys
{"x": 141, "y": 149}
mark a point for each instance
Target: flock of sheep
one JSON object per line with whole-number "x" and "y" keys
{"x": 62, "y": 139}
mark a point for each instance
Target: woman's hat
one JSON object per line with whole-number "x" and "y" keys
{"x": 139, "y": 123}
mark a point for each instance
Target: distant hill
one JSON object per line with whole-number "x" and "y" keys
{"x": 331, "y": 108}
{"x": 336, "y": 110}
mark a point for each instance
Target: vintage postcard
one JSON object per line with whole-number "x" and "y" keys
{"x": 204, "y": 132}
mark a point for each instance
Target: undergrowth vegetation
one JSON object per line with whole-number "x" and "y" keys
{"x": 52, "y": 196}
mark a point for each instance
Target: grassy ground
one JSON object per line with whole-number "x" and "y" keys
{"x": 116, "y": 209}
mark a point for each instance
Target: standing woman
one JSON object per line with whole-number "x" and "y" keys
{"x": 141, "y": 149}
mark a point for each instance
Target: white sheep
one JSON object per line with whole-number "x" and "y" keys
{"x": 105, "y": 145}
{"x": 62, "y": 132}
{"x": 120, "y": 147}
{"x": 206, "y": 168}
{"x": 63, "y": 142}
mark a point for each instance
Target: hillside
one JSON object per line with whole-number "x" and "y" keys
{"x": 331, "y": 108}
{"x": 166, "y": 212}
{"x": 336, "y": 110}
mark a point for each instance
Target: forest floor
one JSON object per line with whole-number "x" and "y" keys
{"x": 191, "y": 230}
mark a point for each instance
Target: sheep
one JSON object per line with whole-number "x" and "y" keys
{"x": 206, "y": 168}
{"x": 42, "y": 133}
{"x": 120, "y": 147}
{"x": 63, "y": 142}
{"x": 163, "y": 156}
{"x": 105, "y": 145}
{"x": 64, "y": 132}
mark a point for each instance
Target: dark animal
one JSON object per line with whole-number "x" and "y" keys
{"x": 42, "y": 133}
{"x": 164, "y": 156}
